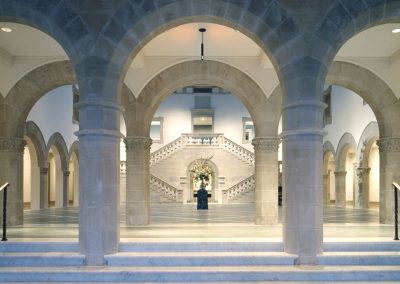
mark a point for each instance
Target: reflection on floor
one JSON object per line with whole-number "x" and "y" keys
{"x": 184, "y": 221}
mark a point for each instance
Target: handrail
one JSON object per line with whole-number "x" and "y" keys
{"x": 241, "y": 187}
{"x": 243, "y": 153}
{"x": 172, "y": 194}
{"x": 4, "y": 187}
{"x": 165, "y": 151}
{"x": 396, "y": 211}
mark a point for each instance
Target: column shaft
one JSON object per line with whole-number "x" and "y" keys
{"x": 66, "y": 189}
{"x": 11, "y": 170}
{"x": 340, "y": 188}
{"x": 44, "y": 191}
{"x": 137, "y": 180}
{"x": 266, "y": 172}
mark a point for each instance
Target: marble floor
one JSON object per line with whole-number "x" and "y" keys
{"x": 180, "y": 221}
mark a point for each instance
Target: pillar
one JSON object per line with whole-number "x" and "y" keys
{"x": 137, "y": 180}
{"x": 302, "y": 179}
{"x": 44, "y": 188}
{"x": 340, "y": 188}
{"x": 362, "y": 198}
{"x": 11, "y": 171}
{"x": 266, "y": 173}
{"x": 66, "y": 189}
{"x": 389, "y": 167}
{"x": 327, "y": 189}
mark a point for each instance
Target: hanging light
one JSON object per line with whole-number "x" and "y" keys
{"x": 202, "y": 30}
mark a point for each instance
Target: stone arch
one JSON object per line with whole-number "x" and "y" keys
{"x": 345, "y": 143}
{"x": 74, "y": 149}
{"x": 57, "y": 141}
{"x": 33, "y": 132}
{"x": 373, "y": 90}
{"x": 58, "y": 19}
{"x": 328, "y": 149}
{"x": 261, "y": 21}
{"x": 328, "y": 171}
{"x": 344, "y": 19}
{"x": 368, "y": 137}
{"x": 264, "y": 112}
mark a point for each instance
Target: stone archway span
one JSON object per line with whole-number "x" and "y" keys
{"x": 58, "y": 141}
{"x": 328, "y": 147}
{"x": 36, "y": 136}
{"x": 346, "y": 141}
{"x": 373, "y": 90}
{"x": 264, "y": 112}
{"x": 259, "y": 20}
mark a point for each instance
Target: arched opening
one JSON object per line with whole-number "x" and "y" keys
{"x": 31, "y": 177}
{"x": 73, "y": 194}
{"x": 55, "y": 179}
{"x": 329, "y": 177}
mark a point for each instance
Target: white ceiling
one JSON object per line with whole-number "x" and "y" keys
{"x": 184, "y": 41}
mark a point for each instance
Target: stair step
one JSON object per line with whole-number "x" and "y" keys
{"x": 201, "y": 274}
{"x": 201, "y": 246}
{"x": 361, "y": 246}
{"x": 200, "y": 258}
{"x": 39, "y": 246}
{"x": 360, "y": 258}
{"x": 42, "y": 259}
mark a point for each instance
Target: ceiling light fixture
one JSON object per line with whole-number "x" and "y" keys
{"x": 6, "y": 29}
{"x": 202, "y": 30}
{"x": 396, "y": 31}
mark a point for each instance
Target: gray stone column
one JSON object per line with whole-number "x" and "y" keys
{"x": 66, "y": 188}
{"x": 362, "y": 198}
{"x": 389, "y": 167}
{"x": 266, "y": 172}
{"x": 44, "y": 190}
{"x": 327, "y": 189}
{"x": 302, "y": 178}
{"x": 11, "y": 171}
{"x": 340, "y": 188}
{"x": 137, "y": 180}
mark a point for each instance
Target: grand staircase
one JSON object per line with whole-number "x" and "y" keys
{"x": 199, "y": 261}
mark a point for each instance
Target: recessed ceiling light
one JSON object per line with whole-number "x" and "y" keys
{"x": 6, "y": 30}
{"x": 396, "y": 31}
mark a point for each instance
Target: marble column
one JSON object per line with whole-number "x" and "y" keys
{"x": 66, "y": 189}
{"x": 340, "y": 188}
{"x": 137, "y": 180}
{"x": 389, "y": 167}
{"x": 327, "y": 189}
{"x": 362, "y": 198}
{"x": 302, "y": 180}
{"x": 11, "y": 171}
{"x": 44, "y": 190}
{"x": 266, "y": 173}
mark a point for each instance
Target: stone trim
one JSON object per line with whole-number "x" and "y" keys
{"x": 66, "y": 173}
{"x": 15, "y": 144}
{"x": 389, "y": 144}
{"x": 339, "y": 174}
{"x": 265, "y": 144}
{"x": 132, "y": 143}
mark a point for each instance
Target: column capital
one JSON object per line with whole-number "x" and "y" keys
{"x": 132, "y": 143}
{"x": 14, "y": 144}
{"x": 66, "y": 173}
{"x": 44, "y": 170}
{"x": 389, "y": 144}
{"x": 340, "y": 173}
{"x": 269, "y": 144}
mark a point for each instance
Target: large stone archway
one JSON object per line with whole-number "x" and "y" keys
{"x": 265, "y": 113}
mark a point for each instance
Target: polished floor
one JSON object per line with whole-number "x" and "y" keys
{"x": 180, "y": 221}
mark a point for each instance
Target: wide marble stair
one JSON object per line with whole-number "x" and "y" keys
{"x": 199, "y": 261}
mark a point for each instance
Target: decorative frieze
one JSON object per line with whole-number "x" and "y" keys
{"x": 389, "y": 144}
{"x": 14, "y": 144}
{"x": 265, "y": 144}
{"x": 134, "y": 143}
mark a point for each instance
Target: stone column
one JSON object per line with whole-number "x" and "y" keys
{"x": 137, "y": 180}
{"x": 44, "y": 190}
{"x": 302, "y": 180}
{"x": 389, "y": 167}
{"x": 363, "y": 187}
{"x": 99, "y": 155}
{"x": 327, "y": 190}
{"x": 266, "y": 172}
{"x": 11, "y": 171}
{"x": 340, "y": 188}
{"x": 66, "y": 189}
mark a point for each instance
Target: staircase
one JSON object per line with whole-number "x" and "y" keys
{"x": 199, "y": 261}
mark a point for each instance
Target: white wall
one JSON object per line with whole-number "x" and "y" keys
{"x": 349, "y": 114}
{"x": 53, "y": 113}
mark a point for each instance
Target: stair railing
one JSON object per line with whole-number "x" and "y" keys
{"x": 4, "y": 189}
{"x": 239, "y": 151}
{"x": 167, "y": 190}
{"x": 246, "y": 185}
{"x": 165, "y": 151}
{"x": 396, "y": 188}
